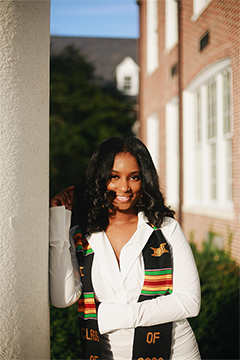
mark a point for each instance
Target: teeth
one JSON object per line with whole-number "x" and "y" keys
{"x": 123, "y": 198}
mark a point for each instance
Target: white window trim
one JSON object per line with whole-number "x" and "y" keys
{"x": 153, "y": 138}
{"x": 209, "y": 72}
{"x": 199, "y": 13}
{"x": 172, "y": 152}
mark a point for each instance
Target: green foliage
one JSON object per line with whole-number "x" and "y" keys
{"x": 83, "y": 113}
{"x": 65, "y": 340}
{"x": 217, "y": 326}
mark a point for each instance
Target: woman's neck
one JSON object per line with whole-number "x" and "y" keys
{"x": 122, "y": 217}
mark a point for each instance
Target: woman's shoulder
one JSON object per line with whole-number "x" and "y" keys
{"x": 169, "y": 226}
{"x": 169, "y": 222}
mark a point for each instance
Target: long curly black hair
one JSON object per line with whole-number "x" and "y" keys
{"x": 95, "y": 203}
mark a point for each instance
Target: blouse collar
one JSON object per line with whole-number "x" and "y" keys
{"x": 131, "y": 250}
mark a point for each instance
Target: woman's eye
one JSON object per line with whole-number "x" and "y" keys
{"x": 135, "y": 177}
{"x": 114, "y": 176}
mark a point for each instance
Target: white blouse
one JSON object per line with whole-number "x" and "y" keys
{"x": 117, "y": 287}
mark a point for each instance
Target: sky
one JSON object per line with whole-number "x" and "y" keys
{"x": 96, "y": 18}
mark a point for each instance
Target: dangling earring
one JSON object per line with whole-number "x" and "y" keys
{"x": 140, "y": 201}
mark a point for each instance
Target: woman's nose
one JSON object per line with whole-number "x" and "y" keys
{"x": 124, "y": 186}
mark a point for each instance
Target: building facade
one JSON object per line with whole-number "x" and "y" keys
{"x": 189, "y": 112}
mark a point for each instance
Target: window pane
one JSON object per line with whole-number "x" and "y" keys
{"x": 226, "y": 103}
{"x": 209, "y": 112}
{"x": 212, "y": 110}
{"x": 213, "y": 172}
{"x": 198, "y": 173}
{"x": 127, "y": 83}
{"x": 229, "y": 168}
{"x": 198, "y": 145}
{"x": 198, "y": 119}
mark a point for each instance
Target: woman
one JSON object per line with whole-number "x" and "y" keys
{"x": 133, "y": 272}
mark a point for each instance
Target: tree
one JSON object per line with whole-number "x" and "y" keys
{"x": 217, "y": 326}
{"x": 64, "y": 333}
{"x": 83, "y": 113}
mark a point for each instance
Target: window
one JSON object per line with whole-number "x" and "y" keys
{"x": 229, "y": 168}
{"x": 198, "y": 7}
{"x": 226, "y": 102}
{"x": 127, "y": 83}
{"x": 198, "y": 144}
{"x": 152, "y": 36}
{"x": 212, "y": 136}
{"x": 204, "y": 41}
{"x": 213, "y": 171}
{"x": 174, "y": 70}
{"x": 171, "y": 24}
{"x": 227, "y": 131}
{"x": 198, "y": 117}
{"x": 208, "y": 140}
{"x": 212, "y": 110}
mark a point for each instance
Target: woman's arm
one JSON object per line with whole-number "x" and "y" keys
{"x": 184, "y": 302}
{"x": 65, "y": 282}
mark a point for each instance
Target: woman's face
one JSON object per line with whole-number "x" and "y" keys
{"x": 125, "y": 182}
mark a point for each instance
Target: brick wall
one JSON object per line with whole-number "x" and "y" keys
{"x": 221, "y": 19}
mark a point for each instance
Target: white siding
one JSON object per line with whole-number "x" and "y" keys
{"x": 172, "y": 153}
{"x": 127, "y": 77}
{"x": 153, "y": 138}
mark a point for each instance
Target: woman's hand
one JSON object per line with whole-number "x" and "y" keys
{"x": 64, "y": 198}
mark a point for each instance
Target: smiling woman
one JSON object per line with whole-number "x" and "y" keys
{"x": 122, "y": 274}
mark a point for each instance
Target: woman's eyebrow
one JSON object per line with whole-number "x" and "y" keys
{"x": 132, "y": 172}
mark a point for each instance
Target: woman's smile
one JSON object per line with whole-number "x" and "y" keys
{"x": 123, "y": 198}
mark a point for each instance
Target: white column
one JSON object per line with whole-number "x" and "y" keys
{"x": 24, "y": 154}
{"x": 152, "y": 36}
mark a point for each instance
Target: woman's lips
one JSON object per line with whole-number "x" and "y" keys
{"x": 123, "y": 198}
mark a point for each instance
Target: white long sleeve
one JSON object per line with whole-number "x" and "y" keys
{"x": 118, "y": 289}
{"x": 183, "y": 303}
{"x": 65, "y": 283}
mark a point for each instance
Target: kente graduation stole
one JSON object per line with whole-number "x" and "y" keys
{"x": 87, "y": 312}
{"x": 154, "y": 342}
{"x": 150, "y": 342}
